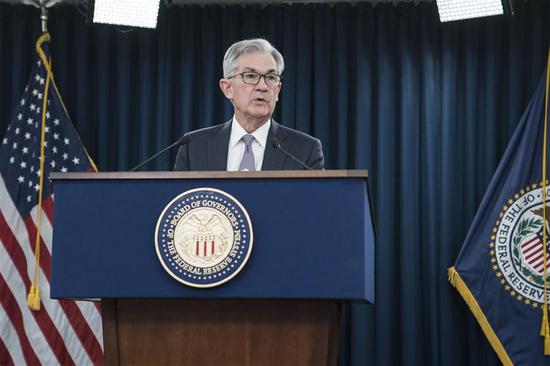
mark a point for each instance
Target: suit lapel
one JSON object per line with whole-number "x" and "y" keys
{"x": 217, "y": 148}
{"x": 273, "y": 159}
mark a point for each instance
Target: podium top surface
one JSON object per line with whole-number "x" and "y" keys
{"x": 270, "y": 174}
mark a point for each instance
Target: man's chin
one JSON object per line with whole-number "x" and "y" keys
{"x": 260, "y": 114}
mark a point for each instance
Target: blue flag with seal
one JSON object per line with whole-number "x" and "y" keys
{"x": 502, "y": 269}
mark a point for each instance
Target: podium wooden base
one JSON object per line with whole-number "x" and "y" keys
{"x": 220, "y": 332}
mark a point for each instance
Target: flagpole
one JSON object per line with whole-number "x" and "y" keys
{"x": 33, "y": 296}
{"x": 545, "y": 327}
{"x": 43, "y": 5}
{"x": 44, "y": 16}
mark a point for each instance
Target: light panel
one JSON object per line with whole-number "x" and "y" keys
{"x": 450, "y": 10}
{"x": 133, "y": 13}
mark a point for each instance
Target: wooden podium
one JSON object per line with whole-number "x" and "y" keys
{"x": 313, "y": 249}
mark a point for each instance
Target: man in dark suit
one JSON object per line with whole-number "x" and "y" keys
{"x": 252, "y": 81}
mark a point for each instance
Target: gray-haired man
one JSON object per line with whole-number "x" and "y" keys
{"x": 251, "y": 81}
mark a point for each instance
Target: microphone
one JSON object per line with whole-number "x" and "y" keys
{"x": 277, "y": 146}
{"x": 181, "y": 141}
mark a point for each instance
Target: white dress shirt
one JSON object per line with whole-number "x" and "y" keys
{"x": 235, "y": 150}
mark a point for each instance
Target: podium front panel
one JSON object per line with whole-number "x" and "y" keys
{"x": 313, "y": 239}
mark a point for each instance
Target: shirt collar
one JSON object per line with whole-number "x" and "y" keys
{"x": 237, "y": 132}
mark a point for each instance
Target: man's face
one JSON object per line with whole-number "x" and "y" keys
{"x": 254, "y": 104}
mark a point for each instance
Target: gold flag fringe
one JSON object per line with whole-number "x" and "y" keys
{"x": 464, "y": 291}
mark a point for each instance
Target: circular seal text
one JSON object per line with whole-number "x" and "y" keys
{"x": 517, "y": 245}
{"x": 203, "y": 237}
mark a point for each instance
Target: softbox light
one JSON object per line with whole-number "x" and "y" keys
{"x": 450, "y": 10}
{"x": 133, "y": 13}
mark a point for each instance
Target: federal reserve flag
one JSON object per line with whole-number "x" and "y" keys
{"x": 40, "y": 139}
{"x": 501, "y": 269}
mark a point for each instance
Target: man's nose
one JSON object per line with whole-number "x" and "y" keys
{"x": 261, "y": 85}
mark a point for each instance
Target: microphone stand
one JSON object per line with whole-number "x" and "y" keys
{"x": 181, "y": 141}
{"x": 277, "y": 146}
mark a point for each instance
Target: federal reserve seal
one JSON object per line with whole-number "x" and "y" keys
{"x": 516, "y": 245}
{"x": 203, "y": 237}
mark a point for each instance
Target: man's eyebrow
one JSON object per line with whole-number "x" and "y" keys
{"x": 248, "y": 68}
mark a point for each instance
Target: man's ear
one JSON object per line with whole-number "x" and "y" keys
{"x": 227, "y": 88}
{"x": 278, "y": 91}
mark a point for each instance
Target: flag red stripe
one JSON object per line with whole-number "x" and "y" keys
{"x": 534, "y": 250}
{"x": 43, "y": 320}
{"x": 45, "y": 258}
{"x": 529, "y": 253}
{"x": 540, "y": 268}
{"x": 528, "y": 256}
{"x": 534, "y": 257}
{"x": 5, "y": 358}
{"x": 70, "y": 308}
{"x": 538, "y": 264}
{"x": 530, "y": 241}
{"x": 16, "y": 317}
{"x": 47, "y": 208}
{"x": 81, "y": 328}
{"x": 97, "y": 305}
{"x": 530, "y": 244}
{"x": 539, "y": 259}
{"x": 9, "y": 302}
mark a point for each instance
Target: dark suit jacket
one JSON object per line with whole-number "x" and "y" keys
{"x": 207, "y": 149}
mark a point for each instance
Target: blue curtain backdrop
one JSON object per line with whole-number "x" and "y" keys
{"x": 426, "y": 107}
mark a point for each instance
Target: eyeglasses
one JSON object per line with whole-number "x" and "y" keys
{"x": 253, "y": 78}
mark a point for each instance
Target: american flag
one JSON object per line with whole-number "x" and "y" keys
{"x": 62, "y": 332}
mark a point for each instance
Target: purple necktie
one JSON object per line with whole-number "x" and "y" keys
{"x": 248, "y": 164}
